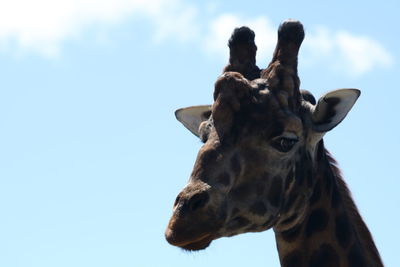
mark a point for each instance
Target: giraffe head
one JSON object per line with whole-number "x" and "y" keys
{"x": 254, "y": 170}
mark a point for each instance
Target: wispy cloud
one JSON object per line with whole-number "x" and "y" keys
{"x": 344, "y": 52}
{"x": 42, "y": 26}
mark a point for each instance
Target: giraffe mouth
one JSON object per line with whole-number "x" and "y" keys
{"x": 199, "y": 243}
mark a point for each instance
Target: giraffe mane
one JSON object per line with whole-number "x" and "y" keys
{"x": 360, "y": 229}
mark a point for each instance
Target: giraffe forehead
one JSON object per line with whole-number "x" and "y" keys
{"x": 271, "y": 109}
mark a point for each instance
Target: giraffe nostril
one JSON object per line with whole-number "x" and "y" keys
{"x": 198, "y": 201}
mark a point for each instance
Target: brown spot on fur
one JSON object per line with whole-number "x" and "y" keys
{"x": 258, "y": 208}
{"x": 238, "y": 222}
{"x": 291, "y": 234}
{"x": 209, "y": 156}
{"x": 240, "y": 193}
{"x": 325, "y": 256}
{"x": 304, "y": 169}
{"x": 355, "y": 257}
{"x": 275, "y": 191}
{"x": 342, "y": 230}
{"x": 293, "y": 259}
{"x": 317, "y": 221}
{"x": 291, "y": 199}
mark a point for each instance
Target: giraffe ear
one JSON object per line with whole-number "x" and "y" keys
{"x": 192, "y": 117}
{"x": 332, "y": 108}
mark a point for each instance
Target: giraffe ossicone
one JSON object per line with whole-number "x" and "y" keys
{"x": 264, "y": 165}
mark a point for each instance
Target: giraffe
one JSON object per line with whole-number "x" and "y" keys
{"x": 264, "y": 165}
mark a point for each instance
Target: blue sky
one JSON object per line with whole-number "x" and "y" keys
{"x": 91, "y": 156}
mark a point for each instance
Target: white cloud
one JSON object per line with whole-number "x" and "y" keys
{"x": 176, "y": 20}
{"x": 344, "y": 52}
{"x": 362, "y": 53}
{"x": 42, "y": 26}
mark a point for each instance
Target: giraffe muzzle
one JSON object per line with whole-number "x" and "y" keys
{"x": 193, "y": 224}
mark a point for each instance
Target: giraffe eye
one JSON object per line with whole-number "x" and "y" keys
{"x": 284, "y": 144}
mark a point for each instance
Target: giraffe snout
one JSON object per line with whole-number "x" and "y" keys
{"x": 193, "y": 223}
{"x": 188, "y": 204}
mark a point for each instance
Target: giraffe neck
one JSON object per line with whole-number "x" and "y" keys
{"x": 332, "y": 232}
